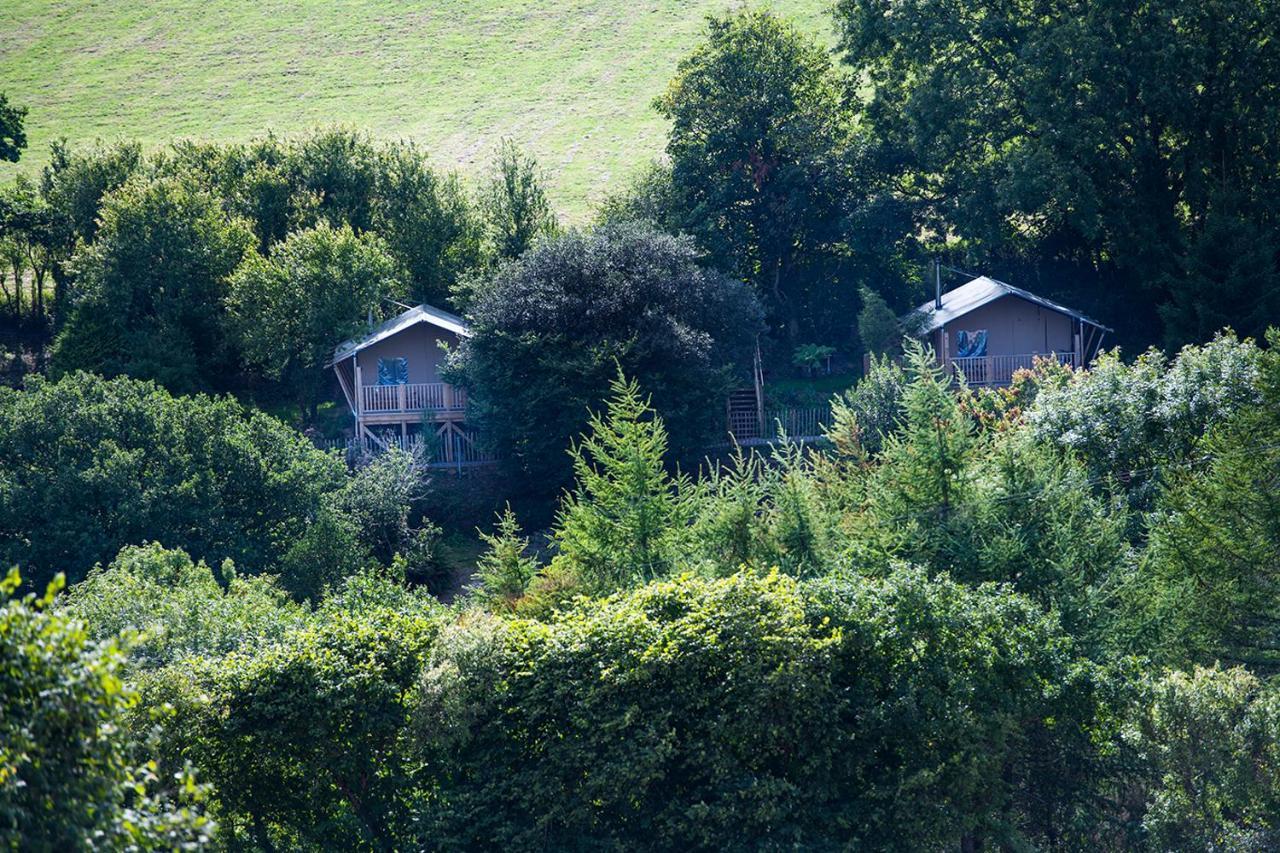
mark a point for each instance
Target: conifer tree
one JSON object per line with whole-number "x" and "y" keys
{"x": 727, "y": 530}
{"x": 924, "y": 473}
{"x": 627, "y": 519}
{"x": 504, "y": 572}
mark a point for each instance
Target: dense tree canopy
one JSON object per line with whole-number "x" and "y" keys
{"x": 317, "y": 288}
{"x": 1125, "y": 152}
{"x": 89, "y": 465}
{"x": 550, "y": 331}
{"x": 149, "y": 299}
{"x": 768, "y": 172}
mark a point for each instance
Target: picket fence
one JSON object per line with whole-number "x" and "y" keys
{"x": 803, "y": 424}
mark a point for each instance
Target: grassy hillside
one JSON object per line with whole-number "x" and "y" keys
{"x": 571, "y": 80}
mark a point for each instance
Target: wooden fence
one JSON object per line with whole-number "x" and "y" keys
{"x": 799, "y": 424}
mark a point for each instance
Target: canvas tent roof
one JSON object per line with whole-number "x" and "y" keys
{"x": 400, "y": 322}
{"x": 981, "y": 291}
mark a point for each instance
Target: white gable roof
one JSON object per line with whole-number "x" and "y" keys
{"x": 981, "y": 291}
{"x": 400, "y": 322}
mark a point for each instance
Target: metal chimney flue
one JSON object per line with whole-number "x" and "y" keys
{"x": 937, "y": 285}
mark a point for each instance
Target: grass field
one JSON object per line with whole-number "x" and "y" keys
{"x": 570, "y": 80}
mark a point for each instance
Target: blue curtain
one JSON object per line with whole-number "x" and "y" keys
{"x": 971, "y": 344}
{"x": 393, "y": 371}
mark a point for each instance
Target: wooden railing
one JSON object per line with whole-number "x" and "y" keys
{"x": 999, "y": 369}
{"x": 422, "y": 397}
{"x": 798, "y": 424}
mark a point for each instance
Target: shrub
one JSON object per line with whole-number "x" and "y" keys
{"x": 68, "y": 778}
{"x": 89, "y": 465}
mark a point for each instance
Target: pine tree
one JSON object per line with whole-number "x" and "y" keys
{"x": 627, "y": 520}
{"x": 504, "y": 572}
{"x": 924, "y": 474}
{"x": 728, "y": 530}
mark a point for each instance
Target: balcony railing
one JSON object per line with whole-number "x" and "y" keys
{"x": 421, "y": 397}
{"x": 999, "y": 369}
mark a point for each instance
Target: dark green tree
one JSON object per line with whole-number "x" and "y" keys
{"x": 550, "y": 331}
{"x": 767, "y": 170}
{"x": 13, "y": 137}
{"x": 1123, "y": 153}
{"x": 89, "y": 465}
{"x": 73, "y": 185}
{"x": 428, "y": 222}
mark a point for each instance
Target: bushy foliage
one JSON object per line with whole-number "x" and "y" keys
{"x": 149, "y": 298}
{"x": 177, "y": 609}
{"x": 1210, "y": 740}
{"x": 738, "y": 712}
{"x": 1211, "y": 574}
{"x": 304, "y": 738}
{"x": 862, "y": 416}
{"x": 550, "y": 330}
{"x": 68, "y": 777}
{"x": 1124, "y": 421}
{"x": 381, "y": 502}
{"x": 317, "y": 288}
{"x": 89, "y": 465}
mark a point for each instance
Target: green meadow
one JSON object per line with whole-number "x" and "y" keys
{"x": 570, "y": 80}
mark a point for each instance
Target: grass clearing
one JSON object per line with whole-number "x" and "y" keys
{"x": 570, "y": 80}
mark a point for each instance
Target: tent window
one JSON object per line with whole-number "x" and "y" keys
{"x": 971, "y": 344}
{"x": 393, "y": 371}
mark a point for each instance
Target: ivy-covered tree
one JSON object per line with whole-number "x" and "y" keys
{"x": 338, "y": 693}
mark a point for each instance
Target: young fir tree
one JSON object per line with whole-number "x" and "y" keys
{"x": 924, "y": 475}
{"x": 727, "y": 531}
{"x": 627, "y": 519}
{"x": 504, "y": 572}
{"x": 799, "y": 527}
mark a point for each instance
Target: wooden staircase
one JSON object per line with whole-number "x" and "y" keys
{"x": 744, "y": 415}
{"x": 745, "y": 406}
